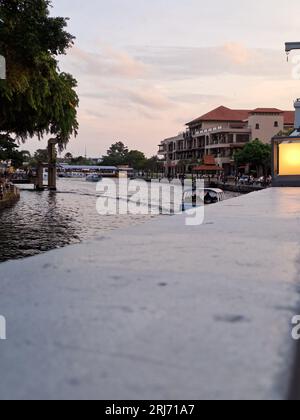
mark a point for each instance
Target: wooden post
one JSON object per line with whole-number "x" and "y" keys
{"x": 52, "y": 173}
{"x": 39, "y": 185}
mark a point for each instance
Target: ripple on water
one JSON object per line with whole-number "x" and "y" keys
{"x": 42, "y": 221}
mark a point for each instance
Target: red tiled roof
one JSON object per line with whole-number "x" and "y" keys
{"x": 209, "y": 164}
{"x": 209, "y": 160}
{"x": 237, "y": 115}
{"x": 223, "y": 114}
{"x": 289, "y": 117}
{"x": 266, "y": 111}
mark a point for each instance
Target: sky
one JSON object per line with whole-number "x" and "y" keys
{"x": 147, "y": 67}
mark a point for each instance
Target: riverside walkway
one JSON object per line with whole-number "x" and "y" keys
{"x": 160, "y": 310}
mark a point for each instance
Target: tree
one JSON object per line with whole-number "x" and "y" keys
{"x": 256, "y": 154}
{"x": 118, "y": 149}
{"x": 68, "y": 157}
{"x": 154, "y": 165}
{"x": 116, "y": 155}
{"x": 26, "y": 155}
{"x": 136, "y": 159}
{"x": 36, "y": 98}
{"x": 41, "y": 156}
{"x": 119, "y": 154}
{"x": 81, "y": 161}
{"x": 9, "y": 151}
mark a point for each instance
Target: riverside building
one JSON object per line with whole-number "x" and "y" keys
{"x": 220, "y": 133}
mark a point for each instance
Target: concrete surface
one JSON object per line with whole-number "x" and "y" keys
{"x": 160, "y": 311}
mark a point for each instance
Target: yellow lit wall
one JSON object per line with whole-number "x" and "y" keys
{"x": 289, "y": 159}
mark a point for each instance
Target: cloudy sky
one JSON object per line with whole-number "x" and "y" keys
{"x": 145, "y": 67}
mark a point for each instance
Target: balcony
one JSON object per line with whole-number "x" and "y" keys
{"x": 162, "y": 151}
{"x": 219, "y": 146}
{"x": 232, "y": 128}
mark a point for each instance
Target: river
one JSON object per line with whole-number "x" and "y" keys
{"x": 42, "y": 221}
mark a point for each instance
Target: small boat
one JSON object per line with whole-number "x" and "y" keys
{"x": 202, "y": 196}
{"x": 213, "y": 195}
{"x": 93, "y": 178}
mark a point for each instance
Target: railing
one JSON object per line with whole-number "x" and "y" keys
{"x": 237, "y": 127}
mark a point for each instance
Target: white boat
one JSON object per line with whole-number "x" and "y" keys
{"x": 93, "y": 178}
{"x": 202, "y": 196}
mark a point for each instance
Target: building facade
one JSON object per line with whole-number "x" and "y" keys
{"x": 220, "y": 133}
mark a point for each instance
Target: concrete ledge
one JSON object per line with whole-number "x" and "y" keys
{"x": 243, "y": 189}
{"x": 286, "y": 181}
{"x": 160, "y": 311}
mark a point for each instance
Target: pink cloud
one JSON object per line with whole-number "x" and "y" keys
{"x": 107, "y": 62}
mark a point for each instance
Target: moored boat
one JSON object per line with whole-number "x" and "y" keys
{"x": 202, "y": 196}
{"x": 93, "y": 178}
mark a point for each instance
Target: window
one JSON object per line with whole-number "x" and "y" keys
{"x": 257, "y": 127}
{"x": 276, "y": 124}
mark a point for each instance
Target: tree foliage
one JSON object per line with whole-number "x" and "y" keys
{"x": 41, "y": 156}
{"x": 136, "y": 159}
{"x": 9, "y": 151}
{"x": 116, "y": 155}
{"x": 154, "y": 165}
{"x": 119, "y": 154}
{"x": 36, "y": 98}
{"x": 256, "y": 154}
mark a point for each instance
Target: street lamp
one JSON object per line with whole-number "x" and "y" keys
{"x": 286, "y": 162}
{"x": 286, "y": 149}
{"x": 286, "y": 156}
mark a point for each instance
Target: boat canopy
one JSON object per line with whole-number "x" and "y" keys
{"x": 87, "y": 168}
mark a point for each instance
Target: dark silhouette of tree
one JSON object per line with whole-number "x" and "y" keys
{"x": 36, "y": 98}
{"x": 256, "y": 154}
{"x": 68, "y": 157}
{"x": 136, "y": 159}
{"x": 9, "y": 151}
{"x": 41, "y": 156}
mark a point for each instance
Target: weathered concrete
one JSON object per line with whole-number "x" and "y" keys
{"x": 160, "y": 311}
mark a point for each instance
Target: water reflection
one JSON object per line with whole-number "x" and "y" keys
{"x": 41, "y": 221}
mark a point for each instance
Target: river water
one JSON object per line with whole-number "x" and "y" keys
{"x": 42, "y": 221}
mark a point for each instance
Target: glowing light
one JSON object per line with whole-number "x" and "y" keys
{"x": 289, "y": 159}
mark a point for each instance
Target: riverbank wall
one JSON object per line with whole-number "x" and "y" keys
{"x": 10, "y": 198}
{"x": 242, "y": 189}
{"x": 161, "y": 310}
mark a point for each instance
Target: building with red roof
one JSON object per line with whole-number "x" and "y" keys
{"x": 219, "y": 133}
